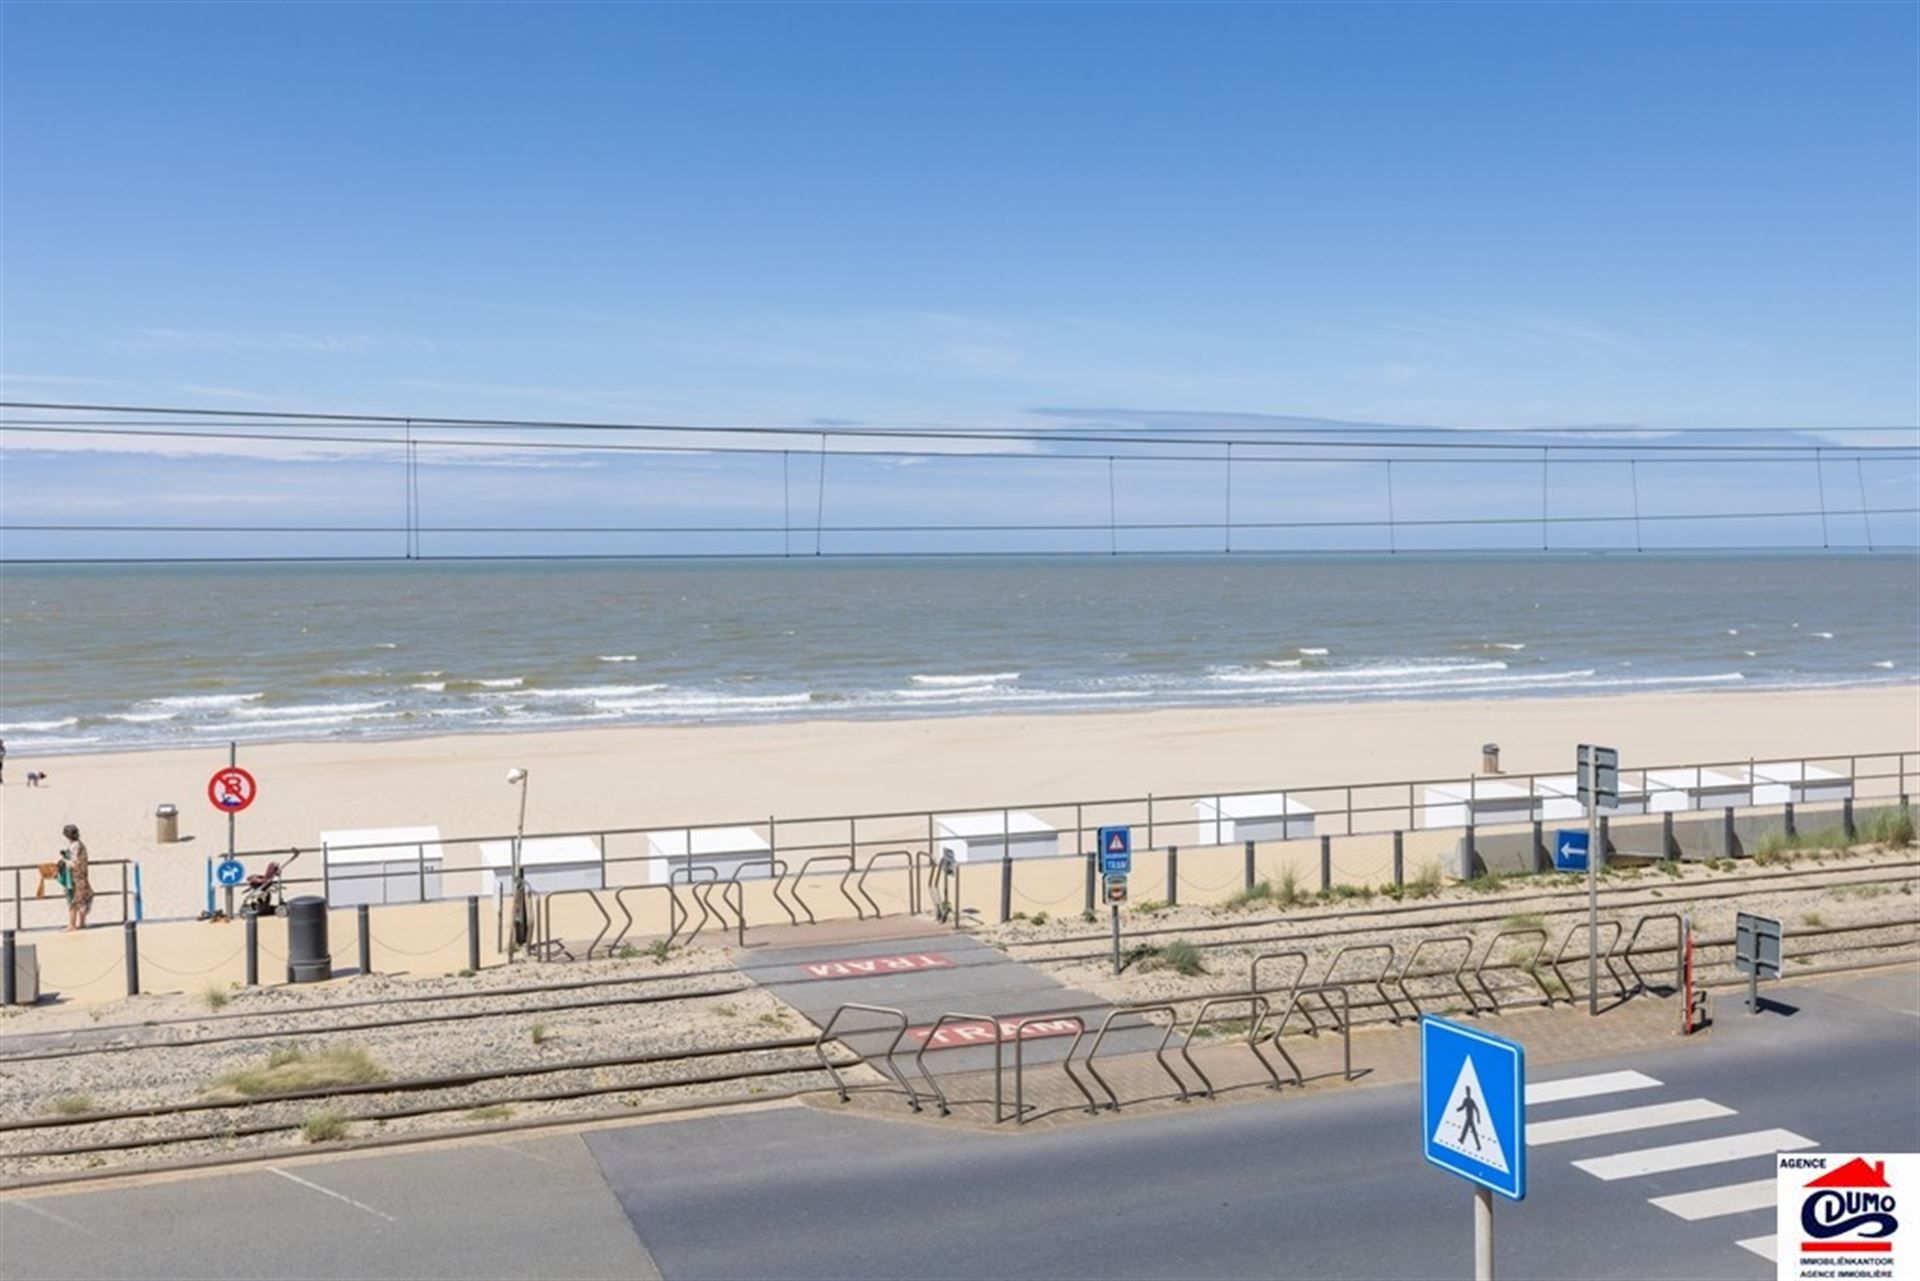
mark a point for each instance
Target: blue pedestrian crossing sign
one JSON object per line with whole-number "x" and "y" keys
{"x": 1569, "y": 851}
{"x": 230, "y": 872}
{"x": 1473, "y": 1105}
{"x": 1116, "y": 851}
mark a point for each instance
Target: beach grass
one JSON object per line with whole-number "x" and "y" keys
{"x": 325, "y": 1126}
{"x": 70, "y": 1104}
{"x": 290, "y": 1068}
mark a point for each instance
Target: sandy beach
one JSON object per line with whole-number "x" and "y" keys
{"x": 647, "y": 777}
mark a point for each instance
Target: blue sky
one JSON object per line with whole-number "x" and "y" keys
{"x": 1493, "y": 216}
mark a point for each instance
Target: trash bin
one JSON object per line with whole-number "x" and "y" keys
{"x": 166, "y": 824}
{"x": 307, "y": 958}
{"x": 1489, "y": 758}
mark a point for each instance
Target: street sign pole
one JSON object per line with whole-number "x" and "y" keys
{"x": 1116, "y": 938}
{"x": 233, "y": 759}
{"x": 1482, "y": 1234}
{"x": 1593, "y": 903}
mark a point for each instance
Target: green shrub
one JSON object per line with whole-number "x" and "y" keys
{"x": 491, "y": 1112}
{"x": 290, "y": 1068}
{"x": 325, "y": 1126}
{"x": 1151, "y": 906}
{"x": 70, "y": 1104}
{"x": 1039, "y": 918}
{"x": 215, "y": 996}
{"x": 1892, "y": 828}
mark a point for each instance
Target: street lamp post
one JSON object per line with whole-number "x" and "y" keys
{"x": 517, "y": 777}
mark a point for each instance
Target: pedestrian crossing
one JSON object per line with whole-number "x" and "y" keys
{"x": 1736, "y": 1157}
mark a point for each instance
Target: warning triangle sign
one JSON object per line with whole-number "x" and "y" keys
{"x": 1464, "y": 1125}
{"x": 1116, "y": 843}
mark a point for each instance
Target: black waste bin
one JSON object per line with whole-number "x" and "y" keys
{"x": 307, "y": 958}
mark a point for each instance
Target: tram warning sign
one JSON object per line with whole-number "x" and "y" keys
{"x": 232, "y": 790}
{"x": 1116, "y": 851}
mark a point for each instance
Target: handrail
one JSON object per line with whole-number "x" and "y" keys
{"x": 1379, "y": 981}
{"x": 1625, "y": 950}
{"x": 1439, "y": 940}
{"x": 1257, "y": 1010}
{"x": 1605, "y": 954}
{"x": 911, "y": 856}
{"x": 920, "y": 1059}
{"x": 826, "y": 1033}
{"x": 1532, "y": 966}
{"x": 1345, "y": 1021}
{"x": 1159, "y": 1055}
{"x": 1019, "y": 1058}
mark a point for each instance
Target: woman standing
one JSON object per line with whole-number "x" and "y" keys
{"x": 80, "y": 897}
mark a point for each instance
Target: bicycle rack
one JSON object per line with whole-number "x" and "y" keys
{"x": 943, "y": 883}
{"x": 1379, "y": 981}
{"x": 1605, "y": 956}
{"x": 1406, "y": 971}
{"x": 831, "y": 860}
{"x": 626, "y": 913}
{"x": 1531, "y": 968}
{"x": 1020, "y": 1059}
{"x": 734, "y": 895}
{"x": 677, "y": 915}
{"x": 920, "y": 1058}
{"x": 1253, "y": 975}
{"x": 1257, "y": 1010}
{"x": 912, "y": 859}
{"x": 549, "y": 944}
{"x": 1625, "y": 950}
{"x": 892, "y": 1070}
{"x": 1159, "y": 1055}
{"x": 1345, "y": 1022}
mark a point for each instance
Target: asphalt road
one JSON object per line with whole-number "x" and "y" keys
{"x": 1330, "y": 1185}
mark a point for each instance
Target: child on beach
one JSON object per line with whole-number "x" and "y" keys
{"x": 80, "y": 886}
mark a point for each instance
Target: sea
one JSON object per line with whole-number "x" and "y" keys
{"x": 106, "y": 657}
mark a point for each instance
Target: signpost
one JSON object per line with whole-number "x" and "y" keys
{"x": 1473, "y": 1118}
{"x": 1569, "y": 850}
{"x": 1599, "y": 783}
{"x": 231, "y": 790}
{"x": 1116, "y": 863}
{"x": 1757, "y": 950}
{"x": 230, "y": 872}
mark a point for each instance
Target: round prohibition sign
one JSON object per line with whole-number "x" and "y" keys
{"x": 232, "y": 790}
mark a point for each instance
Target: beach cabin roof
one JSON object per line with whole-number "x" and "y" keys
{"x": 1794, "y": 772}
{"x": 1693, "y": 780}
{"x": 706, "y": 841}
{"x": 387, "y": 845}
{"x": 1253, "y": 805}
{"x": 541, "y": 851}
{"x": 991, "y": 823}
{"x": 1480, "y": 789}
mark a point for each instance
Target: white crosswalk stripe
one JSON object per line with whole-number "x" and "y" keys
{"x": 1651, "y": 1117}
{"x": 1708, "y": 1203}
{"x": 1762, "y": 1246}
{"x": 1581, "y": 1087}
{"x": 1685, "y": 1156}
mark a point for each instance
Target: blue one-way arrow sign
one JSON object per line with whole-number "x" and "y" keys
{"x": 1569, "y": 851}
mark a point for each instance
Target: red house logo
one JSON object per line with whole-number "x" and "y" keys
{"x": 1849, "y": 1210}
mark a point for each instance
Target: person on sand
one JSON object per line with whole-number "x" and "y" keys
{"x": 80, "y": 896}
{"x": 3, "y": 760}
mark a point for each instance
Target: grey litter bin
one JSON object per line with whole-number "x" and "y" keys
{"x": 307, "y": 958}
{"x": 1489, "y": 758}
{"x": 166, "y": 824}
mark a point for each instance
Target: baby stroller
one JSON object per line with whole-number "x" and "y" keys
{"x": 266, "y": 892}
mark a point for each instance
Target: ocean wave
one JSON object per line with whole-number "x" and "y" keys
{"x": 141, "y": 718}
{"x": 1824, "y": 635}
{"x": 985, "y": 678}
{"x": 23, "y": 746}
{"x": 589, "y": 692}
{"x": 1284, "y": 662}
{"x": 205, "y": 700}
{"x": 1885, "y": 662}
{"x": 13, "y": 727}
{"x": 471, "y": 686}
{"x": 1383, "y": 672}
{"x": 269, "y": 725}
{"x": 1512, "y": 645}
{"x": 310, "y": 709}
{"x": 1309, "y": 651}
{"x": 693, "y": 703}
{"x": 619, "y": 658}
{"x": 432, "y": 687}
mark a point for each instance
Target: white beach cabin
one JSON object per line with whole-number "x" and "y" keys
{"x": 1673, "y": 790}
{"x": 1263, "y": 816}
{"x": 1779, "y": 782}
{"x": 993, "y": 834}
{"x": 722, "y": 849}
{"x": 1491, "y": 802}
{"x": 549, "y": 863}
{"x": 394, "y": 865}
{"x": 1559, "y": 796}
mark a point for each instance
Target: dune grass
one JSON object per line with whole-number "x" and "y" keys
{"x": 289, "y": 1068}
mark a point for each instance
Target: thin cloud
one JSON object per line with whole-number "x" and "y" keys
{"x": 279, "y": 340}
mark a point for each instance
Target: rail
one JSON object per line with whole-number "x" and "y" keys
{"x": 1020, "y": 1108}
{"x": 1257, "y": 1010}
{"x": 1345, "y": 1021}
{"x": 1439, "y": 940}
{"x": 892, "y": 1069}
{"x": 128, "y": 893}
{"x": 1159, "y": 1055}
{"x": 933, "y": 1033}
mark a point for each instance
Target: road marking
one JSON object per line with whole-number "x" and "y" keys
{"x": 531, "y": 1156}
{"x": 1619, "y": 1122}
{"x": 1762, "y": 1246}
{"x": 1684, "y": 1156}
{"x": 1708, "y": 1203}
{"x": 338, "y": 1196}
{"x": 31, "y": 1208}
{"x": 1580, "y": 1087}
